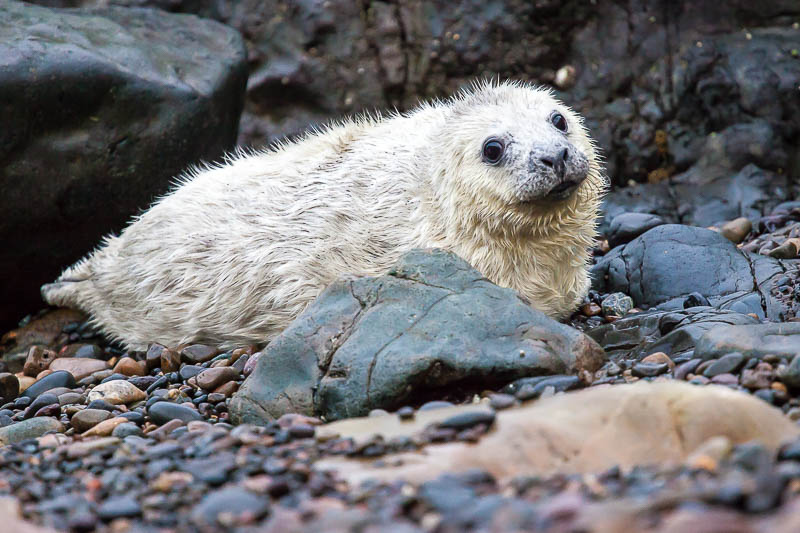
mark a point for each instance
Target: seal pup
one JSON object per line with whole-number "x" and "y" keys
{"x": 502, "y": 174}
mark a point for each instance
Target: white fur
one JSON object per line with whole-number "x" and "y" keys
{"x": 238, "y": 250}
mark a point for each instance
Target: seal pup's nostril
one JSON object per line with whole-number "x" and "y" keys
{"x": 547, "y": 161}
{"x": 565, "y": 155}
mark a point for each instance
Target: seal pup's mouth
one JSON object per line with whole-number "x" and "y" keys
{"x": 563, "y": 189}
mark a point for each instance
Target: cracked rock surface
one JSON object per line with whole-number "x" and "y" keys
{"x": 664, "y": 265}
{"x": 431, "y": 322}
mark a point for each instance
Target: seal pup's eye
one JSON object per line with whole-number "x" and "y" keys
{"x": 493, "y": 150}
{"x": 559, "y": 121}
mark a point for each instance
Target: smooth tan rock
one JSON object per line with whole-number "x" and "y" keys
{"x": 212, "y": 378}
{"x": 79, "y": 367}
{"x": 736, "y": 230}
{"x": 128, "y": 366}
{"x": 24, "y": 382}
{"x": 104, "y": 428}
{"x": 39, "y": 359}
{"x": 117, "y": 392}
{"x": 585, "y": 431}
{"x": 86, "y": 419}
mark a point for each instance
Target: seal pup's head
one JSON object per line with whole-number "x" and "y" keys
{"x": 516, "y": 152}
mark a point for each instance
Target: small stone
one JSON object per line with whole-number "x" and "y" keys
{"x": 106, "y": 427}
{"x": 736, "y": 230}
{"x": 88, "y": 418}
{"x": 377, "y": 412}
{"x": 41, "y": 401}
{"x": 591, "y": 309}
{"x": 117, "y": 392}
{"x": 500, "y": 401}
{"x": 212, "y": 378}
{"x": 759, "y": 377}
{"x": 70, "y": 398}
{"x": 77, "y": 366}
{"x": 38, "y": 359}
{"x": 216, "y": 397}
{"x": 119, "y": 507}
{"x": 9, "y": 387}
{"x": 82, "y": 449}
{"x": 725, "y": 379}
{"x": 684, "y": 369}
{"x": 189, "y": 371}
{"x": 142, "y": 382}
{"x": 617, "y": 304}
{"x": 468, "y": 420}
{"x": 231, "y": 501}
{"x": 153, "y": 356}
{"x": 302, "y": 431}
{"x": 196, "y": 354}
{"x": 128, "y": 366}
{"x": 649, "y": 370}
{"x": 251, "y": 364}
{"x": 790, "y": 375}
{"x": 726, "y": 364}
{"x": 660, "y": 357}
{"x": 99, "y": 403}
{"x": 29, "y": 429}
{"x": 405, "y": 413}
{"x": 24, "y": 382}
{"x": 787, "y": 250}
{"x": 435, "y": 404}
{"x": 162, "y": 412}
{"x": 59, "y": 378}
{"x": 227, "y": 389}
{"x": 170, "y": 361}
{"x": 90, "y": 351}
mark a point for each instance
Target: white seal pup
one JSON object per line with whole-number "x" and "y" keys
{"x": 502, "y": 174}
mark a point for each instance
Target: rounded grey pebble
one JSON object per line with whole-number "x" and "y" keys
{"x": 127, "y": 429}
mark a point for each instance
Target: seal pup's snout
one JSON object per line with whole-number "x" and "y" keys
{"x": 562, "y": 167}
{"x": 558, "y": 163}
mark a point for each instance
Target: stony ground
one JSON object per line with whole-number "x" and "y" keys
{"x": 104, "y": 440}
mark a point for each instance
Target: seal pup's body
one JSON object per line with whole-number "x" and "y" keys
{"x": 238, "y": 250}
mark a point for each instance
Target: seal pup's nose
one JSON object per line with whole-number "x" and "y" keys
{"x": 558, "y": 163}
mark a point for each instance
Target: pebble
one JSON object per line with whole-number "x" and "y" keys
{"x": 41, "y": 401}
{"x": 170, "y": 360}
{"x": 234, "y": 501}
{"x": 9, "y": 387}
{"x": 725, "y": 379}
{"x": 90, "y": 351}
{"x": 130, "y": 367}
{"x": 736, "y": 230}
{"x": 196, "y": 354}
{"x": 617, "y": 304}
{"x": 787, "y": 250}
{"x": 29, "y": 429}
{"x": 119, "y": 507}
{"x": 189, "y": 371}
{"x": 162, "y": 412}
{"x": 38, "y": 359}
{"x": 695, "y": 299}
{"x": 468, "y": 420}
{"x": 251, "y": 364}
{"x": 500, "y": 401}
{"x": 726, "y": 364}
{"x": 790, "y": 375}
{"x": 759, "y": 377}
{"x": 117, "y": 392}
{"x": 435, "y": 404}
{"x": 101, "y": 404}
{"x": 70, "y": 398}
{"x": 405, "y": 413}
{"x": 78, "y": 367}
{"x": 649, "y": 370}
{"x": 153, "y": 356}
{"x": 60, "y": 378}
{"x": 212, "y": 378}
{"x": 88, "y": 418}
{"x": 660, "y": 357}
{"x": 227, "y": 389}
{"x": 105, "y": 428}
{"x": 684, "y": 369}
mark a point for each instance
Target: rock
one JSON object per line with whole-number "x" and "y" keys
{"x": 580, "y": 432}
{"x": 627, "y": 226}
{"x": 128, "y": 366}
{"x": 41, "y": 401}
{"x": 665, "y": 264}
{"x": 162, "y": 412}
{"x": 91, "y": 351}
{"x": 660, "y": 357}
{"x": 88, "y": 418}
{"x": 649, "y": 370}
{"x": 39, "y": 359}
{"x": 9, "y": 387}
{"x": 197, "y": 100}
{"x": 42, "y": 330}
{"x": 760, "y": 377}
{"x": 153, "y": 357}
{"x": 119, "y": 507}
{"x": 672, "y": 332}
{"x": 235, "y": 501}
{"x": 117, "y": 392}
{"x": 29, "y": 429}
{"x": 755, "y": 340}
{"x": 126, "y": 429}
{"x": 787, "y": 250}
{"x": 212, "y": 378}
{"x": 736, "y": 230}
{"x": 402, "y": 334}
{"x": 727, "y": 364}
{"x": 617, "y": 304}
{"x": 59, "y": 378}
{"x": 105, "y": 428}
{"x": 791, "y": 374}
{"x": 79, "y": 367}
{"x": 198, "y": 353}
{"x": 170, "y": 360}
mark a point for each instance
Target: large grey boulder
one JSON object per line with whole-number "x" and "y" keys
{"x": 667, "y": 263}
{"x": 100, "y": 109}
{"x": 431, "y": 322}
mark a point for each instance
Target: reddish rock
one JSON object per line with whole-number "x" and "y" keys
{"x": 79, "y": 367}
{"x": 39, "y": 358}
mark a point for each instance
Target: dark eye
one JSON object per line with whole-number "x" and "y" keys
{"x": 493, "y": 150}
{"x": 559, "y": 121}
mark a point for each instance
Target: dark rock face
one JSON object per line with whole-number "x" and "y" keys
{"x": 755, "y": 340}
{"x": 674, "y": 332}
{"x": 100, "y": 110}
{"x": 432, "y": 322}
{"x": 666, "y": 264}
